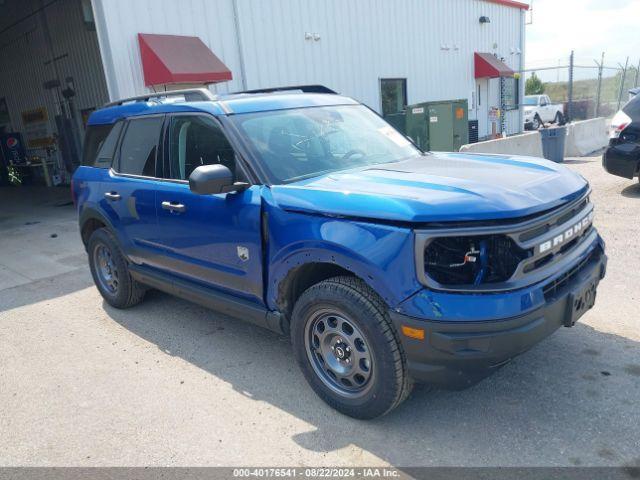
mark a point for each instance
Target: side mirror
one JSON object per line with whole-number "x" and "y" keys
{"x": 213, "y": 179}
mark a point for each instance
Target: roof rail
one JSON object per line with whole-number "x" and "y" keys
{"x": 302, "y": 88}
{"x": 190, "y": 95}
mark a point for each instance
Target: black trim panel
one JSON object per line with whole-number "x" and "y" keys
{"x": 221, "y": 302}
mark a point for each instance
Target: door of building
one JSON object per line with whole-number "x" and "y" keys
{"x": 482, "y": 106}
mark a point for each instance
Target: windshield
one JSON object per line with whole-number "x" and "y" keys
{"x": 305, "y": 142}
{"x": 530, "y": 100}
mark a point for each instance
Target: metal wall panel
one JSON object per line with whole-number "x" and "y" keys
{"x": 359, "y": 42}
{"x": 25, "y": 60}
{"x": 120, "y": 21}
{"x": 429, "y": 42}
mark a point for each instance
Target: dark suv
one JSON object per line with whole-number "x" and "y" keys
{"x": 306, "y": 213}
{"x": 622, "y": 156}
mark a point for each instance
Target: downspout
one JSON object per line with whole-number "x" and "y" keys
{"x": 236, "y": 21}
{"x": 521, "y": 83}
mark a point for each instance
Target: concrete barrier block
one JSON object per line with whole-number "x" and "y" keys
{"x": 585, "y": 137}
{"x": 527, "y": 144}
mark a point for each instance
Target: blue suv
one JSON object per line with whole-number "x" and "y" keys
{"x": 304, "y": 212}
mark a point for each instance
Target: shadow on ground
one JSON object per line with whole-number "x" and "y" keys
{"x": 572, "y": 400}
{"x": 632, "y": 191}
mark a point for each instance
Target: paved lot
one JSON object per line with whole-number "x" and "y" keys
{"x": 169, "y": 383}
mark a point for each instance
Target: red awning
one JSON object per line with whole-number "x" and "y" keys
{"x": 488, "y": 65}
{"x": 511, "y": 3}
{"x": 169, "y": 59}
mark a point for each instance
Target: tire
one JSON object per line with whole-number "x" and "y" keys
{"x": 340, "y": 329}
{"x": 537, "y": 123}
{"x": 110, "y": 271}
{"x": 559, "y": 119}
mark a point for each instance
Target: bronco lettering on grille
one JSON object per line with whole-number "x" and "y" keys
{"x": 568, "y": 234}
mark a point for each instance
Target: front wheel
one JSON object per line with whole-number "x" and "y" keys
{"x": 348, "y": 348}
{"x": 537, "y": 123}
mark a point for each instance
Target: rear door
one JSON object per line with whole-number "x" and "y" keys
{"x": 130, "y": 188}
{"x": 211, "y": 239}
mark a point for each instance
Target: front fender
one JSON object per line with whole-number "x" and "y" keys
{"x": 381, "y": 255}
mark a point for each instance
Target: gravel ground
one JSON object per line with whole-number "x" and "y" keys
{"x": 169, "y": 383}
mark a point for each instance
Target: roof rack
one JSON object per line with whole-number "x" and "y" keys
{"x": 301, "y": 88}
{"x": 190, "y": 95}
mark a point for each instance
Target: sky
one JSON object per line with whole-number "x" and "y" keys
{"x": 588, "y": 27}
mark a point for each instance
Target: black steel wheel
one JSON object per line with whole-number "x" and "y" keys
{"x": 110, "y": 271}
{"x": 107, "y": 272}
{"x": 339, "y": 353}
{"x": 348, "y": 348}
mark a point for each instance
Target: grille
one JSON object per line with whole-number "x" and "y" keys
{"x": 552, "y": 288}
{"x": 503, "y": 257}
{"x": 459, "y": 261}
{"x": 542, "y": 229}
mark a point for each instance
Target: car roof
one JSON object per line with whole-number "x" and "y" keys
{"x": 221, "y": 105}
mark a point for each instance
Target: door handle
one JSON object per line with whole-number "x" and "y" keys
{"x": 113, "y": 196}
{"x": 173, "y": 206}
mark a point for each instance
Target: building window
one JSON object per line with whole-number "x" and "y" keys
{"x": 511, "y": 93}
{"x": 393, "y": 92}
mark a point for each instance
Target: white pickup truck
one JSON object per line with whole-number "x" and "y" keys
{"x": 539, "y": 110}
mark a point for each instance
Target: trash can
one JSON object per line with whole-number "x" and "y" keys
{"x": 553, "y": 143}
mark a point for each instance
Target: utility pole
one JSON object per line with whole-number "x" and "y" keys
{"x": 599, "y": 88}
{"x": 624, "y": 74}
{"x": 570, "y": 90}
{"x": 635, "y": 81}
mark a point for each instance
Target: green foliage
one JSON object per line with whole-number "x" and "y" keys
{"x": 533, "y": 85}
{"x": 14, "y": 176}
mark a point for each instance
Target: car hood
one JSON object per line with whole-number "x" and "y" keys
{"x": 528, "y": 109}
{"x": 437, "y": 187}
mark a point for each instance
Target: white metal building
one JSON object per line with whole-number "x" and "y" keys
{"x": 413, "y": 50}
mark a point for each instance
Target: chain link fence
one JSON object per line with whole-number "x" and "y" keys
{"x": 586, "y": 87}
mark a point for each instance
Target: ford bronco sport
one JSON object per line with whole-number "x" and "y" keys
{"x": 302, "y": 211}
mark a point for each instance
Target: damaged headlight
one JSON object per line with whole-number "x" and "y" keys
{"x": 472, "y": 260}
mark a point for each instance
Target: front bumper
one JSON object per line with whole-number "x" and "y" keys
{"x": 457, "y": 354}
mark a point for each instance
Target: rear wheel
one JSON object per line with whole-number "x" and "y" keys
{"x": 110, "y": 271}
{"x": 348, "y": 348}
{"x": 559, "y": 120}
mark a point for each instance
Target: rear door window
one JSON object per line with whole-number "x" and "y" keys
{"x": 139, "y": 148}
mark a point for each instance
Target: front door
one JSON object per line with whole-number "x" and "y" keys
{"x": 211, "y": 239}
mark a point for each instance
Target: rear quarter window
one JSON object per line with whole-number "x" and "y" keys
{"x": 99, "y": 144}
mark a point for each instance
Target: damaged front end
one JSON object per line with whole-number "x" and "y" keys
{"x": 502, "y": 257}
{"x": 472, "y": 260}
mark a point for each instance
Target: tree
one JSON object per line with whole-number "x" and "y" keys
{"x": 533, "y": 85}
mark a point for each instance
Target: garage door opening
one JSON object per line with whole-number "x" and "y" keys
{"x": 51, "y": 79}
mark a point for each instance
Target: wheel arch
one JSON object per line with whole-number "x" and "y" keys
{"x": 90, "y": 221}
{"x": 299, "y": 271}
